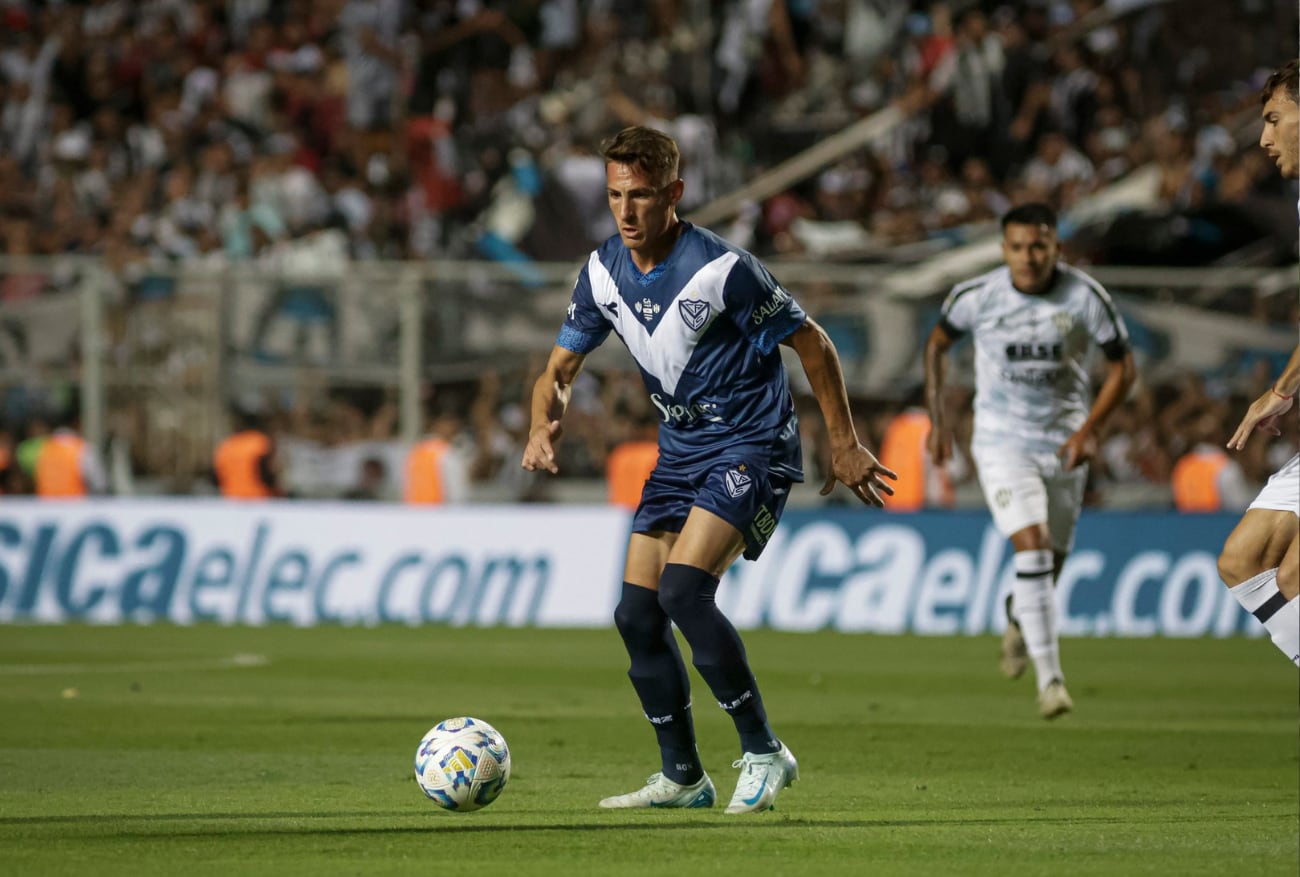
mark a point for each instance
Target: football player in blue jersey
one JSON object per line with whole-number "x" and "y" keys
{"x": 703, "y": 319}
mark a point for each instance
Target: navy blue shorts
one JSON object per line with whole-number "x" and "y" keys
{"x": 741, "y": 492}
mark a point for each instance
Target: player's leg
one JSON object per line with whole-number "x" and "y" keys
{"x": 1065, "y": 491}
{"x": 1284, "y": 626}
{"x": 656, "y": 669}
{"x": 1017, "y": 497}
{"x": 687, "y": 591}
{"x": 1258, "y": 563}
{"x": 736, "y": 510}
{"x": 1034, "y": 607}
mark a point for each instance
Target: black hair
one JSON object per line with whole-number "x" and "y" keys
{"x": 1288, "y": 77}
{"x": 1034, "y": 213}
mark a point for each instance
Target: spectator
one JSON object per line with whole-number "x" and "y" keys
{"x": 630, "y": 462}
{"x": 437, "y": 468}
{"x": 1206, "y": 479}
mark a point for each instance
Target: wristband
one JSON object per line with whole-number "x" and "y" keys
{"x": 1280, "y": 395}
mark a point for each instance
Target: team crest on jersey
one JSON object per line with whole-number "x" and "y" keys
{"x": 738, "y": 482}
{"x": 694, "y": 312}
{"x": 647, "y": 309}
{"x": 1063, "y": 322}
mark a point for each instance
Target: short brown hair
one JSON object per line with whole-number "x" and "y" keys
{"x": 1288, "y": 77}
{"x": 652, "y": 152}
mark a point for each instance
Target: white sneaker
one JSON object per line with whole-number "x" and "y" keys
{"x": 659, "y": 791}
{"x": 1054, "y": 700}
{"x": 1015, "y": 656}
{"x": 761, "y": 777}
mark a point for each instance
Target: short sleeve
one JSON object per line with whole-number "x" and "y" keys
{"x": 760, "y": 307}
{"x": 1105, "y": 325}
{"x": 960, "y": 309}
{"x": 585, "y": 327}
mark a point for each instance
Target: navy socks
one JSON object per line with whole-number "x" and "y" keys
{"x": 659, "y": 677}
{"x": 687, "y": 594}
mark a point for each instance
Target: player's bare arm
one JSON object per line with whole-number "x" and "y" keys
{"x": 851, "y": 462}
{"x": 939, "y": 442}
{"x": 550, "y": 399}
{"x": 1082, "y": 446}
{"x": 1276, "y": 401}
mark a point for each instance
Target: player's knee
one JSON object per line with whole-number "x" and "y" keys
{"x": 638, "y": 616}
{"x": 685, "y": 589}
{"x": 1288, "y": 577}
{"x": 1237, "y": 562}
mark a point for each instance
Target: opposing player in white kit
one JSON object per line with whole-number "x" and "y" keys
{"x": 1260, "y": 562}
{"x": 1033, "y": 322}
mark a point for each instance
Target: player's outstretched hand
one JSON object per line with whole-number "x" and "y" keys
{"x": 540, "y": 452}
{"x": 1262, "y": 415}
{"x": 1078, "y": 449}
{"x": 862, "y": 473}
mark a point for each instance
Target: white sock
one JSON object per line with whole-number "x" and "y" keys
{"x": 1281, "y": 617}
{"x": 1034, "y": 605}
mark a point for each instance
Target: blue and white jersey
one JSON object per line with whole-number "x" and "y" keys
{"x": 703, "y": 328}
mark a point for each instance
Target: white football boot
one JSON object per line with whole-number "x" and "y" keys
{"x": 1015, "y": 656}
{"x": 1054, "y": 700}
{"x": 659, "y": 791}
{"x": 761, "y": 777}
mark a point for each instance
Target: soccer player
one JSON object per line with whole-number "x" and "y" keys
{"x": 1033, "y": 322}
{"x": 1260, "y": 562}
{"x": 703, "y": 320}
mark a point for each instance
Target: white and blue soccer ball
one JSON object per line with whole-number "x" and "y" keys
{"x": 462, "y": 764}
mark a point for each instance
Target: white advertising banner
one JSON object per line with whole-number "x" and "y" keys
{"x": 304, "y": 563}
{"x": 189, "y": 560}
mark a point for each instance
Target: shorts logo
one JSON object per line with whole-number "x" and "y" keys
{"x": 1002, "y": 497}
{"x": 647, "y": 309}
{"x": 694, "y": 312}
{"x": 762, "y": 526}
{"x": 738, "y": 482}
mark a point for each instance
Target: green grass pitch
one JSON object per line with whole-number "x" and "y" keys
{"x": 147, "y": 750}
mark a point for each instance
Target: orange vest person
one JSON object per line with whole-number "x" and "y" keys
{"x": 67, "y": 467}
{"x": 903, "y": 450}
{"x": 244, "y": 465}
{"x": 434, "y": 474}
{"x": 628, "y": 468}
{"x": 1196, "y": 477}
{"x": 424, "y": 475}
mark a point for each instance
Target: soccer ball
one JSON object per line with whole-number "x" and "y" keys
{"x": 462, "y": 764}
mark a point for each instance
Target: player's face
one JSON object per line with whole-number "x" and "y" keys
{"x": 644, "y": 209}
{"x": 1030, "y": 252}
{"x": 1281, "y": 135}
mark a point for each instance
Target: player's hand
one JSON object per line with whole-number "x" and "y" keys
{"x": 540, "y": 451}
{"x": 1262, "y": 415}
{"x": 862, "y": 473}
{"x": 939, "y": 444}
{"x": 1078, "y": 449}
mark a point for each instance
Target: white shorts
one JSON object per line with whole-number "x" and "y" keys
{"x": 1282, "y": 492}
{"x": 1023, "y": 488}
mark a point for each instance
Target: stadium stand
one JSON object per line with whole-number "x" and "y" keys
{"x": 223, "y": 198}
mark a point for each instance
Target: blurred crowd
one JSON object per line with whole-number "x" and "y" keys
{"x": 310, "y": 132}
{"x": 343, "y": 443}
{"x": 253, "y": 129}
